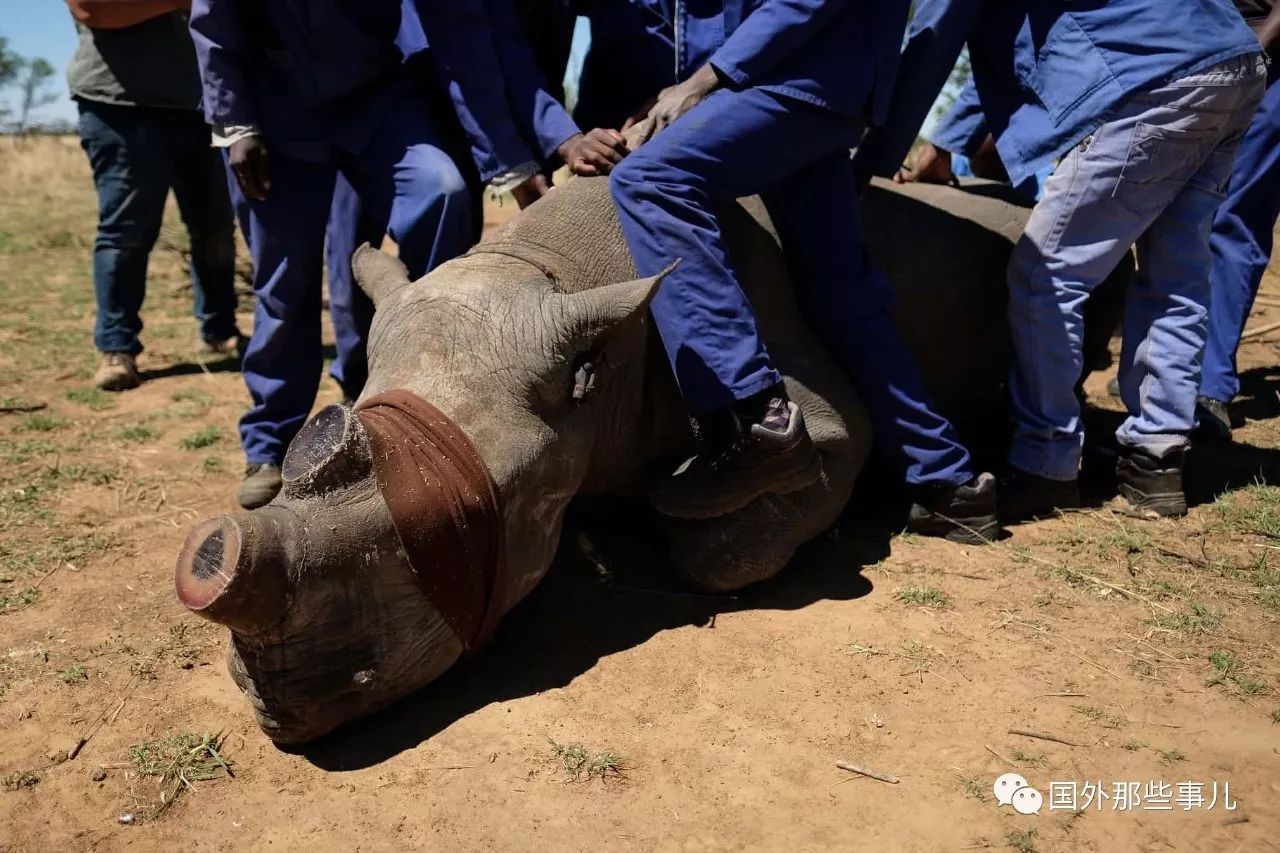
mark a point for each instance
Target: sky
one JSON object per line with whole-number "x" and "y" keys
{"x": 43, "y": 28}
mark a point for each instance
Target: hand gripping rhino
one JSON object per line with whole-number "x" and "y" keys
{"x": 510, "y": 380}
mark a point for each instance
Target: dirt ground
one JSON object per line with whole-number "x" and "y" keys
{"x": 616, "y": 710}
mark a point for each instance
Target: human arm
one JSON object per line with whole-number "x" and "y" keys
{"x": 771, "y": 33}
{"x": 218, "y": 33}
{"x": 937, "y": 35}
{"x": 1269, "y": 32}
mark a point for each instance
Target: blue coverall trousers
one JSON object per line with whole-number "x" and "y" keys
{"x": 1241, "y": 245}
{"x": 404, "y": 177}
{"x": 1151, "y": 177}
{"x": 796, "y": 155}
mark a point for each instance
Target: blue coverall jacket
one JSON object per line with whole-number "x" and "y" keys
{"x": 1049, "y": 71}
{"x": 830, "y": 53}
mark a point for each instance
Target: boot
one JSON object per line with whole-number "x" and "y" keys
{"x": 118, "y": 371}
{"x": 260, "y": 485}
{"x": 1025, "y": 496}
{"x": 745, "y": 454}
{"x": 1213, "y": 421}
{"x": 1152, "y": 486}
{"x": 964, "y": 514}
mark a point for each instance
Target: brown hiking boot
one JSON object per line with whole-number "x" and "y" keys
{"x": 773, "y": 456}
{"x": 117, "y": 372}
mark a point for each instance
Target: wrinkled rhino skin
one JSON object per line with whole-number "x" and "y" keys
{"x": 328, "y": 621}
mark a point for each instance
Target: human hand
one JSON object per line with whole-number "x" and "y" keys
{"x": 593, "y": 153}
{"x": 248, "y": 161}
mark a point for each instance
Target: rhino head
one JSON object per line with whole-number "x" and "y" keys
{"x": 328, "y": 619}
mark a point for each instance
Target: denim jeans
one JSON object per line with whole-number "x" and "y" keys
{"x": 1151, "y": 176}
{"x": 137, "y": 154}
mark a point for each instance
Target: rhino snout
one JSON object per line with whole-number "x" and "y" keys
{"x": 232, "y": 570}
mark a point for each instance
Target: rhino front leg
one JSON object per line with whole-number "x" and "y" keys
{"x": 756, "y": 542}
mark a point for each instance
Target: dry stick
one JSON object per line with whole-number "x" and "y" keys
{"x": 1059, "y": 695}
{"x": 1041, "y": 736}
{"x": 1003, "y": 758}
{"x": 862, "y": 771}
{"x": 1092, "y": 663}
{"x": 1123, "y": 591}
{"x": 1261, "y": 330}
{"x": 23, "y": 408}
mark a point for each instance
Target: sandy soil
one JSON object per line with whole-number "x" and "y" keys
{"x": 699, "y": 723}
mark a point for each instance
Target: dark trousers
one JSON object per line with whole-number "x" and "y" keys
{"x": 137, "y": 154}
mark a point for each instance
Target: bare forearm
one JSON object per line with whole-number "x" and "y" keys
{"x": 114, "y": 14}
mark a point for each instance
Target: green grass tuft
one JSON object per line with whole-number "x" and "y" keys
{"x": 923, "y": 596}
{"x": 581, "y": 764}
{"x": 202, "y": 438}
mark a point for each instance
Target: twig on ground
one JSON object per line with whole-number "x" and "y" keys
{"x": 1060, "y": 695}
{"x": 22, "y": 408}
{"x": 1042, "y": 736}
{"x": 1259, "y": 331}
{"x": 1130, "y": 593}
{"x": 862, "y": 771}
{"x": 1006, "y": 759}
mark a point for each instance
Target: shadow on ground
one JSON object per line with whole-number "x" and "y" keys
{"x": 610, "y": 589}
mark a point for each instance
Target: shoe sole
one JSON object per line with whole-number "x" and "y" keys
{"x": 973, "y": 531}
{"x": 1162, "y": 504}
{"x": 115, "y": 386}
{"x": 802, "y": 477}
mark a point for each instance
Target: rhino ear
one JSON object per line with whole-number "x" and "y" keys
{"x": 378, "y": 274}
{"x": 592, "y": 314}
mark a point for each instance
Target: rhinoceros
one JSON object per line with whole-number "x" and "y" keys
{"x": 536, "y": 356}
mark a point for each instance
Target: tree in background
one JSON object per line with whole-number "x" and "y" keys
{"x": 10, "y": 65}
{"x": 36, "y": 76}
{"x": 32, "y": 78}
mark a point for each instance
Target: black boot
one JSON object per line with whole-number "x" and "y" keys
{"x": 1152, "y": 486}
{"x": 964, "y": 514}
{"x": 1025, "y": 496}
{"x": 759, "y": 447}
{"x": 1213, "y": 421}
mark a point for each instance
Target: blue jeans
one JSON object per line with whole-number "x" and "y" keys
{"x": 796, "y": 156}
{"x": 1151, "y": 176}
{"x": 1243, "y": 232}
{"x": 405, "y": 178}
{"x": 137, "y": 154}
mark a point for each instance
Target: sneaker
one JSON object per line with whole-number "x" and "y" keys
{"x": 774, "y": 456}
{"x": 964, "y": 514}
{"x": 260, "y": 485}
{"x": 117, "y": 372}
{"x": 1213, "y": 421}
{"x": 1025, "y": 496}
{"x": 1151, "y": 486}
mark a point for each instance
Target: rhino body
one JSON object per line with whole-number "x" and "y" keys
{"x": 329, "y": 622}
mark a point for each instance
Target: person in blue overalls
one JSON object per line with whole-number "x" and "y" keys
{"x": 1147, "y": 100}
{"x": 631, "y": 58}
{"x": 298, "y": 91}
{"x": 501, "y": 125}
{"x": 773, "y": 95}
{"x": 960, "y": 145}
{"x": 1242, "y": 237}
